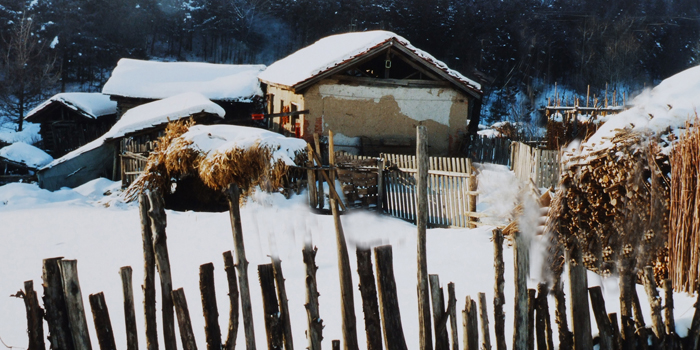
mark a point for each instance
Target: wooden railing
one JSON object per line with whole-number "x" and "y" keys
{"x": 540, "y": 166}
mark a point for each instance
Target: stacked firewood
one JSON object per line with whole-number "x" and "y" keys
{"x": 613, "y": 204}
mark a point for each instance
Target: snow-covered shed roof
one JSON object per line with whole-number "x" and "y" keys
{"x": 336, "y": 50}
{"x": 88, "y": 104}
{"x": 158, "y": 80}
{"x": 20, "y": 152}
{"x": 151, "y": 115}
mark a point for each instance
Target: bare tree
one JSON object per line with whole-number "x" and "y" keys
{"x": 27, "y": 70}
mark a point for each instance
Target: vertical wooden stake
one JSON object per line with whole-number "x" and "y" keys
{"x": 627, "y": 321}
{"x": 657, "y": 323}
{"x": 499, "y": 299}
{"x": 321, "y": 202}
{"x": 601, "y": 318}
{"x": 452, "y": 312}
{"x": 388, "y": 299}
{"x": 579, "y": 300}
{"x": 210, "y": 311}
{"x": 149, "y": 273}
{"x": 132, "y": 340}
{"x": 183, "y": 320}
{"x": 522, "y": 262}
{"x": 311, "y": 181}
{"x": 615, "y": 328}
{"x": 103, "y": 326}
{"x": 55, "y": 305}
{"x": 485, "y": 337}
{"x": 335, "y": 344}
{"x": 315, "y": 328}
{"x": 425, "y": 333}
{"x": 565, "y": 336}
{"x": 286, "y": 323}
{"x": 381, "y": 163}
{"x": 230, "y": 269}
{"x": 346, "y": 290}
{"x": 35, "y": 315}
{"x": 694, "y": 331}
{"x": 640, "y": 327}
{"x": 74, "y": 305}
{"x": 234, "y": 195}
{"x": 370, "y": 304}
{"x": 160, "y": 248}
{"x": 668, "y": 314}
{"x": 543, "y": 321}
{"x": 531, "y": 297}
{"x": 270, "y": 306}
{"x": 471, "y": 325}
{"x": 441, "y": 340}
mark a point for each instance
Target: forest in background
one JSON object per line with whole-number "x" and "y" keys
{"x": 516, "y": 48}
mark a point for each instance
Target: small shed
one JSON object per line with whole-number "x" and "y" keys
{"x": 121, "y": 153}
{"x": 71, "y": 120}
{"x": 234, "y": 87}
{"x": 371, "y": 89}
{"x": 19, "y": 162}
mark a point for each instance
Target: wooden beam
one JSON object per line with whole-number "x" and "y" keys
{"x": 392, "y": 82}
{"x": 286, "y": 114}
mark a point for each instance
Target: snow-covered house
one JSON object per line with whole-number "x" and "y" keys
{"x": 70, "y": 120}
{"x": 371, "y": 89}
{"x": 19, "y": 162}
{"x": 121, "y": 152}
{"x": 233, "y": 87}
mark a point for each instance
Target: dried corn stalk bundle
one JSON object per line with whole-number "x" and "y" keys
{"x": 613, "y": 204}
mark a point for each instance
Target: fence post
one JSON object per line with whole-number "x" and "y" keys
{"x": 439, "y": 319}
{"x": 230, "y": 269}
{"x": 311, "y": 180}
{"x": 212, "y": 331}
{"x": 103, "y": 326}
{"x": 160, "y": 248}
{"x": 522, "y": 263}
{"x": 347, "y": 300}
{"x": 531, "y": 299}
{"x": 452, "y": 312}
{"x": 425, "y": 334}
{"x": 485, "y": 337}
{"x": 544, "y": 322}
{"x": 132, "y": 341}
{"x": 471, "y": 325}
{"x": 380, "y": 185}
{"x": 55, "y": 306}
{"x": 668, "y": 313}
{"x": 579, "y": 299}
{"x": 74, "y": 305}
{"x": 370, "y": 305}
{"x": 149, "y": 272}
{"x": 499, "y": 299}
{"x": 270, "y": 306}
{"x": 640, "y": 327}
{"x": 565, "y": 336}
{"x": 234, "y": 195}
{"x": 315, "y": 330}
{"x": 35, "y": 314}
{"x": 283, "y": 303}
{"x": 183, "y": 320}
{"x": 388, "y": 300}
{"x": 321, "y": 202}
{"x": 601, "y": 318}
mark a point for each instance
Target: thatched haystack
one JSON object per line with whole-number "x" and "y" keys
{"x": 219, "y": 155}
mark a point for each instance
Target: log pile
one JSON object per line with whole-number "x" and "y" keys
{"x": 613, "y": 203}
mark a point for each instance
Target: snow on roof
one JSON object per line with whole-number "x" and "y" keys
{"x": 29, "y": 155}
{"x": 212, "y": 139}
{"x": 158, "y": 80}
{"x": 668, "y": 105}
{"x": 150, "y": 115}
{"x": 334, "y": 50}
{"x": 91, "y": 105}
{"x": 29, "y": 133}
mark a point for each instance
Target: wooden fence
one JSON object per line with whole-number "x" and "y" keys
{"x": 494, "y": 150}
{"x": 540, "y": 166}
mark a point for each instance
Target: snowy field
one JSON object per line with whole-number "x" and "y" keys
{"x": 103, "y": 234}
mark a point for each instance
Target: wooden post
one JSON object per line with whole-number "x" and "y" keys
{"x": 531, "y": 297}
{"x": 286, "y": 323}
{"x": 615, "y": 328}
{"x": 424, "y": 329}
{"x": 331, "y": 158}
{"x": 485, "y": 337}
{"x": 315, "y": 328}
{"x": 657, "y": 323}
{"x": 380, "y": 185}
{"x": 212, "y": 330}
{"x": 270, "y": 306}
{"x": 234, "y": 194}
{"x": 639, "y": 325}
{"x": 565, "y": 336}
{"x": 601, "y": 318}
{"x": 579, "y": 299}
{"x": 441, "y": 340}
{"x": 388, "y": 299}
{"x": 522, "y": 262}
{"x": 149, "y": 273}
{"x": 346, "y": 290}
{"x": 694, "y": 331}
{"x": 35, "y": 315}
{"x": 668, "y": 315}
{"x": 311, "y": 180}
{"x": 335, "y": 344}
{"x": 103, "y": 326}
{"x": 627, "y": 321}
{"x": 321, "y": 202}
{"x": 183, "y": 320}
{"x": 160, "y": 249}
{"x": 473, "y": 186}
{"x": 132, "y": 339}
{"x": 543, "y": 322}
{"x": 499, "y": 299}
{"x": 370, "y": 304}
{"x": 471, "y": 325}
{"x": 74, "y": 305}
{"x": 55, "y": 305}
{"x": 452, "y": 312}
{"x": 230, "y": 269}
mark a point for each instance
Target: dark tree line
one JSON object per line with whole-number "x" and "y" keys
{"x": 510, "y": 45}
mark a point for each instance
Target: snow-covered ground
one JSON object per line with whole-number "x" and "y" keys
{"x": 103, "y": 234}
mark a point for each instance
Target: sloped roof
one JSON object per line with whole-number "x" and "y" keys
{"x": 150, "y": 115}
{"x": 158, "y": 80}
{"x": 20, "y": 152}
{"x": 336, "y": 50}
{"x": 88, "y": 104}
